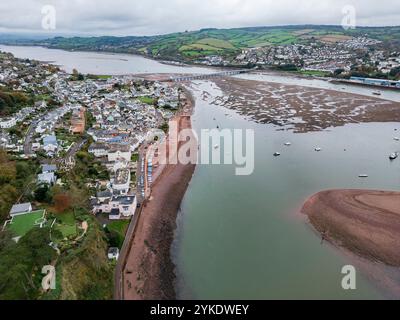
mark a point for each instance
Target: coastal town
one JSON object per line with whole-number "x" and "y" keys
{"x": 85, "y": 132}
{"x": 339, "y": 56}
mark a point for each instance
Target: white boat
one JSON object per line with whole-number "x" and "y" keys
{"x": 363, "y": 176}
{"x": 377, "y": 93}
{"x": 277, "y": 154}
{"x": 396, "y": 138}
{"x": 394, "y": 156}
{"x": 318, "y": 149}
{"x": 288, "y": 144}
{"x": 216, "y": 146}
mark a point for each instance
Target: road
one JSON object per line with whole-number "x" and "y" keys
{"x": 28, "y": 138}
{"x": 121, "y": 264}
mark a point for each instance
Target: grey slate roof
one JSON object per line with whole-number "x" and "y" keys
{"x": 22, "y": 207}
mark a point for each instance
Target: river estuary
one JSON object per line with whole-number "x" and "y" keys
{"x": 241, "y": 237}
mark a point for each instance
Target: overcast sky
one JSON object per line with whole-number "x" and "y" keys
{"x": 149, "y": 17}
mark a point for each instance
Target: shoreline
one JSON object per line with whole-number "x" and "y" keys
{"x": 149, "y": 272}
{"x": 365, "y": 221}
{"x": 364, "y": 225}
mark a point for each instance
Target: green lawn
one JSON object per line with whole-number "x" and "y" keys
{"x": 66, "y": 218}
{"x": 120, "y": 226}
{"x": 147, "y": 100}
{"x": 313, "y": 73}
{"x": 99, "y": 76}
{"x": 67, "y": 230}
{"x": 66, "y": 224}
{"x": 20, "y": 225}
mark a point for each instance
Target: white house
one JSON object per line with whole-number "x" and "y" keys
{"x": 50, "y": 144}
{"x": 40, "y": 129}
{"x": 20, "y": 209}
{"x": 121, "y": 181}
{"x": 49, "y": 168}
{"x": 36, "y": 146}
{"x": 104, "y": 195}
{"x": 113, "y": 253}
{"x": 98, "y": 150}
{"x": 117, "y": 207}
{"x": 47, "y": 178}
{"x": 7, "y": 123}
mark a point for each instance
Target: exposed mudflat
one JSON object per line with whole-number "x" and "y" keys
{"x": 301, "y": 109}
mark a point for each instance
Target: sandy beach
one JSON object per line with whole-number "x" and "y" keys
{"x": 148, "y": 273}
{"x": 366, "y": 222}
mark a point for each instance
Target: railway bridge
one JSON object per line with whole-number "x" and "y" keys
{"x": 207, "y": 76}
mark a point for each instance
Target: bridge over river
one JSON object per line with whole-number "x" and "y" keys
{"x": 207, "y": 76}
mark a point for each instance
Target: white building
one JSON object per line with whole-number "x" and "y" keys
{"x": 20, "y": 209}
{"x": 117, "y": 207}
{"x": 47, "y": 178}
{"x": 7, "y": 123}
{"x": 119, "y": 152}
{"x": 98, "y": 150}
{"x": 113, "y": 253}
{"x": 121, "y": 181}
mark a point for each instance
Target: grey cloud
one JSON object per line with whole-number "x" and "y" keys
{"x": 146, "y": 17}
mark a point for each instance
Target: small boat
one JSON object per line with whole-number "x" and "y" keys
{"x": 394, "y": 156}
{"x": 396, "y": 138}
{"x": 377, "y": 93}
{"x": 277, "y": 154}
{"x": 363, "y": 176}
{"x": 288, "y": 144}
{"x": 318, "y": 149}
{"x": 216, "y": 146}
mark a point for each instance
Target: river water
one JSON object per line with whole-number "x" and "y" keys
{"x": 99, "y": 63}
{"x": 242, "y": 237}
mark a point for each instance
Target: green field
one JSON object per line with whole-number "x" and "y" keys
{"x": 191, "y": 45}
{"x": 20, "y": 225}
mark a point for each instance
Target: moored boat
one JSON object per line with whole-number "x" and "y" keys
{"x": 394, "y": 156}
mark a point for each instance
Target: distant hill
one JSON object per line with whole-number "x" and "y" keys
{"x": 190, "y": 45}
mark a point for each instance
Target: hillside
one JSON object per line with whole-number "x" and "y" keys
{"x": 190, "y": 45}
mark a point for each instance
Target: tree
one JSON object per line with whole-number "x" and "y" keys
{"x": 395, "y": 72}
{"x": 62, "y": 202}
{"x": 42, "y": 194}
{"x": 21, "y": 264}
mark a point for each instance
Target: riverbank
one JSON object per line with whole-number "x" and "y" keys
{"x": 365, "y": 222}
{"x": 366, "y": 85}
{"x": 149, "y": 271}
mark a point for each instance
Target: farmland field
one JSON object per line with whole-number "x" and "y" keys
{"x": 191, "y": 45}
